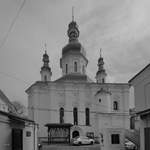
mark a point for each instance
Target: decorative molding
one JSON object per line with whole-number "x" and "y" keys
{"x": 103, "y": 91}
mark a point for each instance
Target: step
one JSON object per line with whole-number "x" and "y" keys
{"x": 70, "y": 147}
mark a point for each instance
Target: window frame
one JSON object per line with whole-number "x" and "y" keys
{"x": 87, "y": 116}
{"x": 115, "y": 138}
{"x": 61, "y": 115}
{"x": 75, "y": 116}
{"x": 115, "y": 105}
{"x": 66, "y": 68}
{"x": 75, "y": 66}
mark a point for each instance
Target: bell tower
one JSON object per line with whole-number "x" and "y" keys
{"x": 101, "y": 73}
{"x": 45, "y": 69}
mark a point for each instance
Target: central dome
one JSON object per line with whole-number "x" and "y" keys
{"x": 73, "y": 47}
{"x": 73, "y": 60}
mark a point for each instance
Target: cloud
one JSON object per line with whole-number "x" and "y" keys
{"x": 120, "y": 28}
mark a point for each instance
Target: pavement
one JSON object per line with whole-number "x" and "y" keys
{"x": 70, "y": 147}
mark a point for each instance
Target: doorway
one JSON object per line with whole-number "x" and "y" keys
{"x": 147, "y": 137}
{"x": 75, "y": 134}
{"x": 17, "y": 139}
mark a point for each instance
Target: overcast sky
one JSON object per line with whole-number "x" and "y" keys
{"x": 120, "y": 27}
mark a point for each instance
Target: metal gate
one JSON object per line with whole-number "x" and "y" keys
{"x": 17, "y": 139}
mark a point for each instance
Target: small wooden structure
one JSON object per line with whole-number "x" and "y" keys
{"x": 58, "y": 133}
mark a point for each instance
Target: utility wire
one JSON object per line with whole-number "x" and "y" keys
{"x": 12, "y": 24}
{"x": 14, "y": 77}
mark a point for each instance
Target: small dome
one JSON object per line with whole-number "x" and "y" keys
{"x": 73, "y": 32}
{"x": 100, "y": 61}
{"x": 102, "y": 71}
{"x": 45, "y": 57}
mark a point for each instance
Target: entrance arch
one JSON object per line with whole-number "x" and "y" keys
{"x": 75, "y": 134}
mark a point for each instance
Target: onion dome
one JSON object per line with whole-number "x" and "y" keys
{"x": 73, "y": 46}
{"x": 45, "y": 62}
{"x": 73, "y": 32}
{"x": 100, "y": 66}
{"x": 101, "y": 73}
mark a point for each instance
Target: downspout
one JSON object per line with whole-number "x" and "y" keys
{"x": 34, "y": 136}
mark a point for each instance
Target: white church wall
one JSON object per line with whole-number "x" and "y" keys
{"x": 70, "y": 60}
{"x": 80, "y": 95}
{"x": 30, "y": 137}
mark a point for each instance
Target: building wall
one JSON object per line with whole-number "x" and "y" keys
{"x": 107, "y": 142}
{"x": 141, "y": 91}
{"x": 141, "y": 86}
{"x": 5, "y": 134}
{"x": 30, "y": 138}
{"x": 69, "y": 60}
{"x": 48, "y": 98}
{"x": 6, "y": 126}
{"x": 143, "y": 124}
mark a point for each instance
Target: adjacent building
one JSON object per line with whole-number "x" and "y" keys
{"x": 141, "y": 84}
{"x": 96, "y": 109}
{"x": 16, "y": 133}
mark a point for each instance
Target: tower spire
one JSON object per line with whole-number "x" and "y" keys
{"x": 45, "y": 69}
{"x": 101, "y": 73}
{"x": 72, "y": 13}
{"x": 73, "y": 31}
{"x": 45, "y": 47}
{"x": 100, "y": 52}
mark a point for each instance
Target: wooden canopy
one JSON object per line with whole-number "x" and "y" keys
{"x": 58, "y": 133}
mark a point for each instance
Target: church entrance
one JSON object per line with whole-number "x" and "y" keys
{"x": 75, "y": 134}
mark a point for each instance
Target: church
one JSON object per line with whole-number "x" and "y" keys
{"x": 95, "y": 109}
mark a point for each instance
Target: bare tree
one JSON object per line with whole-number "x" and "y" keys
{"x": 20, "y": 108}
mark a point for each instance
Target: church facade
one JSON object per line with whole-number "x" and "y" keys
{"x": 97, "y": 109}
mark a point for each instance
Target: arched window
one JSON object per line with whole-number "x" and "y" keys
{"x": 103, "y": 80}
{"x": 87, "y": 116}
{"x": 66, "y": 68}
{"x": 115, "y": 105}
{"x": 45, "y": 78}
{"x": 75, "y": 115}
{"x": 75, "y": 66}
{"x": 100, "y": 100}
{"x": 61, "y": 112}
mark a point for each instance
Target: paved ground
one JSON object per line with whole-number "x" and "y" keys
{"x": 69, "y": 147}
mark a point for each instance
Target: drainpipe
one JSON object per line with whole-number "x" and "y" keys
{"x": 34, "y": 136}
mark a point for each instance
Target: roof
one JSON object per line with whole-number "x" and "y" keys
{"x": 74, "y": 77}
{"x": 144, "y": 112}
{"x": 138, "y": 73}
{"x": 63, "y": 80}
{"x": 5, "y": 99}
{"x": 74, "y": 46}
{"x": 54, "y": 125}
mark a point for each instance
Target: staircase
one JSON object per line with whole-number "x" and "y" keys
{"x": 70, "y": 147}
{"x": 133, "y": 136}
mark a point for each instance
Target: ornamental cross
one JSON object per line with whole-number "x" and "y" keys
{"x": 72, "y": 13}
